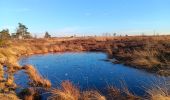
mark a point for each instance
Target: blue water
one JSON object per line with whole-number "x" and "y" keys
{"x": 88, "y": 71}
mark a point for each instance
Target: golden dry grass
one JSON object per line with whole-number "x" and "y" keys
{"x": 36, "y": 78}
{"x": 145, "y": 59}
{"x": 67, "y": 92}
{"x": 8, "y": 96}
{"x": 30, "y": 94}
{"x": 159, "y": 93}
{"x": 149, "y": 52}
{"x": 142, "y": 52}
{"x": 1, "y": 73}
{"x": 121, "y": 94}
{"x": 92, "y": 95}
{"x": 160, "y": 97}
{"x": 70, "y": 92}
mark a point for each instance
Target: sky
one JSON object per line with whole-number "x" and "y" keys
{"x": 87, "y": 17}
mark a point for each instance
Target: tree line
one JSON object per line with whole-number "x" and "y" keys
{"x": 21, "y": 33}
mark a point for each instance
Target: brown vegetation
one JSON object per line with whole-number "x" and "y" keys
{"x": 67, "y": 92}
{"x": 36, "y": 79}
{"x": 70, "y": 92}
{"x": 159, "y": 92}
{"x": 147, "y": 52}
{"x": 30, "y": 94}
{"x": 92, "y": 95}
{"x": 150, "y": 53}
{"x": 117, "y": 94}
{"x": 8, "y": 96}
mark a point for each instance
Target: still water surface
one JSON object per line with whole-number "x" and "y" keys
{"x": 88, "y": 71}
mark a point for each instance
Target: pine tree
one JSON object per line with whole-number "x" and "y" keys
{"x": 47, "y": 35}
{"x": 4, "y": 34}
{"x": 22, "y": 31}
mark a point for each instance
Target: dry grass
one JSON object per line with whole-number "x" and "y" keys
{"x": 141, "y": 52}
{"x": 146, "y": 59}
{"x": 30, "y": 94}
{"x": 70, "y": 92}
{"x": 150, "y": 53}
{"x": 123, "y": 94}
{"x": 8, "y": 96}
{"x": 92, "y": 95}
{"x": 159, "y": 92}
{"x": 160, "y": 97}
{"x": 35, "y": 77}
{"x": 1, "y": 73}
{"x": 67, "y": 92}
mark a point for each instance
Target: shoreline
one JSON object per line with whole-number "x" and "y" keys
{"x": 120, "y": 48}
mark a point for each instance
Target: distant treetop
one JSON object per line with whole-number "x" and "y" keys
{"x": 47, "y": 35}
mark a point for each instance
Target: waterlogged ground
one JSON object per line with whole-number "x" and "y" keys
{"x": 89, "y": 71}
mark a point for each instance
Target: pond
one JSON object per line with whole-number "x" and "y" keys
{"x": 88, "y": 70}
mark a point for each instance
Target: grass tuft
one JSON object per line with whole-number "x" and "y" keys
{"x": 36, "y": 78}
{"x": 67, "y": 92}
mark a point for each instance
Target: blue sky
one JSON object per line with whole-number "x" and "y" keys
{"x": 87, "y": 17}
